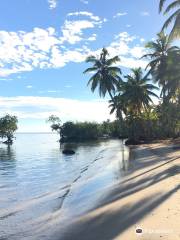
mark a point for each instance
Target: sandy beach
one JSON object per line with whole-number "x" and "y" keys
{"x": 147, "y": 198}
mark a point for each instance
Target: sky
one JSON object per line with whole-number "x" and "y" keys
{"x": 43, "y": 47}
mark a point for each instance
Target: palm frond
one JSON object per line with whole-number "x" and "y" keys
{"x": 172, "y": 6}
{"x": 112, "y": 60}
{"x": 170, "y": 20}
{"x": 115, "y": 69}
{"x": 175, "y": 32}
{"x": 91, "y": 69}
{"x": 91, "y": 59}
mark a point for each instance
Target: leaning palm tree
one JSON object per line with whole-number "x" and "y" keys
{"x": 175, "y": 17}
{"x": 106, "y": 76}
{"x": 137, "y": 92}
{"x": 160, "y": 51}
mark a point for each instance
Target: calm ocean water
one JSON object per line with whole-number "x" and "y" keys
{"x": 40, "y": 188}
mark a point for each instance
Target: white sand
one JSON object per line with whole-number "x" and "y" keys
{"x": 148, "y": 198}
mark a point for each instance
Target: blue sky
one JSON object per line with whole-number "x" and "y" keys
{"x": 43, "y": 44}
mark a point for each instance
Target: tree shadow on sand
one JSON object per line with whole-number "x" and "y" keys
{"x": 106, "y": 224}
{"x": 110, "y": 224}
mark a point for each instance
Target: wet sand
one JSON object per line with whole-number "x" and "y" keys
{"x": 147, "y": 198}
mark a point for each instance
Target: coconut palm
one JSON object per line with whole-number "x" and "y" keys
{"x": 137, "y": 92}
{"x": 175, "y": 17}
{"x": 172, "y": 86}
{"x": 160, "y": 52}
{"x": 105, "y": 75}
{"x": 117, "y": 105}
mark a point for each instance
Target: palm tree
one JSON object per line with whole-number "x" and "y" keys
{"x": 137, "y": 92}
{"x": 106, "y": 76}
{"x": 175, "y": 17}
{"x": 161, "y": 50}
{"x": 118, "y": 105}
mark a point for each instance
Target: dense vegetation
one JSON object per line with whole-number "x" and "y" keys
{"x": 8, "y": 125}
{"x": 81, "y": 131}
{"x": 132, "y": 96}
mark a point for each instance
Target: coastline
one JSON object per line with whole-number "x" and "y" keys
{"x": 146, "y": 198}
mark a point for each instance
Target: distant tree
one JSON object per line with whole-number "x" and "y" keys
{"x": 55, "y": 124}
{"x": 80, "y": 131}
{"x": 8, "y": 125}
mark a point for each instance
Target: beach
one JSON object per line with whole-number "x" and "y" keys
{"x": 147, "y": 198}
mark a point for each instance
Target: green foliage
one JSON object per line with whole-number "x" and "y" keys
{"x": 174, "y": 17}
{"x": 80, "y": 131}
{"x": 83, "y": 131}
{"x": 164, "y": 62}
{"x": 8, "y": 125}
{"x": 106, "y": 77}
{"x": 137, "y": 92}
{"x": 55, "y": 123}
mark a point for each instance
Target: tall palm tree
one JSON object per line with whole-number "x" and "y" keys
{"x": 137, "y": 92}
{"x": 172, "y": 86}
{"x": 160, "y": 51}
{"x": 106, "y": 77}
{"x": 175, "y": 17}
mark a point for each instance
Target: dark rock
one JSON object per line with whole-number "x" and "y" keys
{"x": 68, "y": 151}
{"x": 132, "y": 142}
{"x": 138, "y": 230}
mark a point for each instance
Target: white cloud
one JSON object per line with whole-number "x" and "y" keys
{"x": 93, "y": 37}
{"x": 87, "y": 14}
{"x": 120, "y": 14}
{"x": 130, "y": 62}
{"x": 52, "y": 4}
{"x": 145, "y": 14}
{"x": 22, "y": 51}
{"x": 137, "y": 51}
{"x": 29, "y": 86}
{"x": 67, "y": 109}
{"x": 84, "y": 1}
{"x": 72, "y": 30}
{"x": 6, "y": 79}
{"x": 142, "y": 40}
{"x": 45, "y": 48}
{"x": 41, "y": 48}
{"x": 130, "y": 56}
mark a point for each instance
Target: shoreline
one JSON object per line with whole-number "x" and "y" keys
{"x": 146, "y": 198}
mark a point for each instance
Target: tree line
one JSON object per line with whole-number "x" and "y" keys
{"x": 84, "y": 131}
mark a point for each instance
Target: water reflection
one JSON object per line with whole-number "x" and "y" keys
{"x": 7, "y": 159}
{"x": 125, "y": 158}
{"x": 38, "y": 181}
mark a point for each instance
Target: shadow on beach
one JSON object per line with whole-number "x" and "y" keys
{"x": 104, "y": 222}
